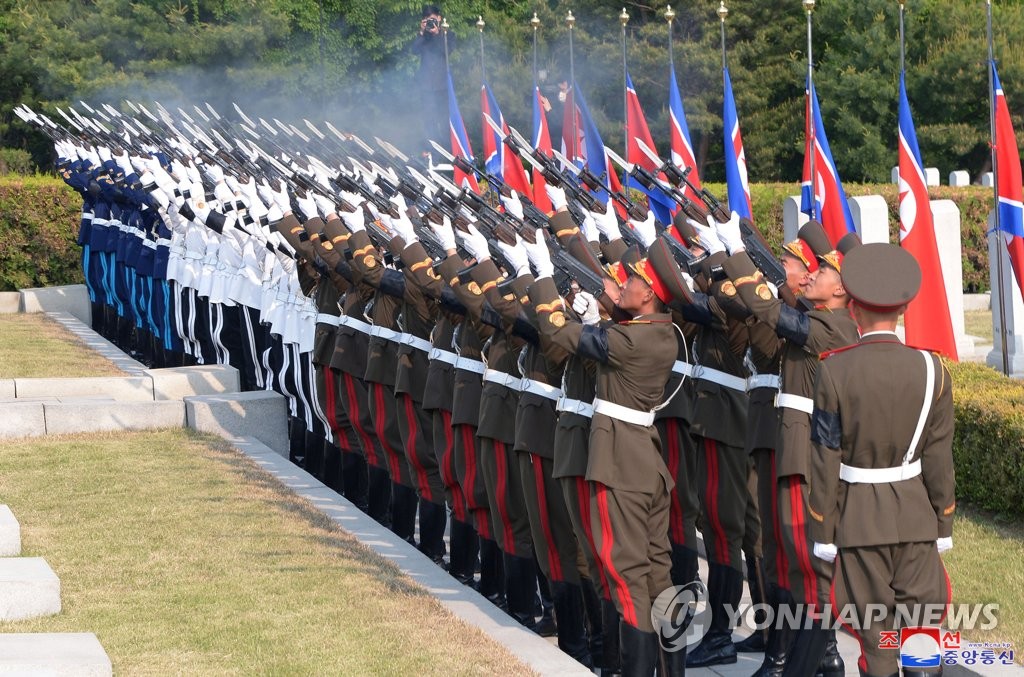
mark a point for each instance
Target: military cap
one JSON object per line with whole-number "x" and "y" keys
{"x": 661, "y": 272}
{"x": 881, "y": 276}
{"x": 810, "y": 243}
{"x": 846, "y": 244}
{"x": 619, "y": 270}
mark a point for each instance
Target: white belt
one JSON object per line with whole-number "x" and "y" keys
{"x": 617, "y": 411}
{"x": 543, "y": 389}
{"x": 384, "y": 333}
{"x": 415, "y": 341}
{"x": 682, "y": 368}
{"x": 354, "y": 323}
{"x": 149, "y": 243}
{"x": 579, "y": 407}
{"x": 87, "y": 216}
{"x": 469, "y": 364}
{"x": 764, "y": 381}
{"x": 163, "y": 242}
{"x": 100, "y": 222}
{"x": 327, "y": 318}
{"x": 501, "y": 378}
{"x": 854, "y": 475}
{"x": 442, "y": 355}
{"x": 720, "y": 377}
{"x": 798, "y": 402}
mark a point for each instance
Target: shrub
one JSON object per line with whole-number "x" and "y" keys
{"x": 38, "y": 226}
{"x": 15, "y": 161}
{"x": 988, "y": 444}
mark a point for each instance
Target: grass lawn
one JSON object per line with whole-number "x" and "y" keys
{"x": 34, "y": 346}
{"x": 184, "y": 557}
{"x": 985, "y": 567}
{"x": 979, "y": 323}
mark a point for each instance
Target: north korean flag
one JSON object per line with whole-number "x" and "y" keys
{"x": 682, "y": 149}
{"x": 735, "y": 157}
{"x": 928, "y": 324}
{"x": 460, "y": 141}
{"x": 497, "y": 160}
{"x": 542, "y": 142}
{"x": 829, "y": 205}
{"x": 1011, "y": 205}
{"x": 637, "y": 130}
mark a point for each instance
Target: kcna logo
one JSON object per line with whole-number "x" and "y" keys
{"x": 681, "y": 615}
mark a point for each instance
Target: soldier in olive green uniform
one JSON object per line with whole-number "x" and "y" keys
{"x": 881, "y": 470}
{"x": 807, "y": 334}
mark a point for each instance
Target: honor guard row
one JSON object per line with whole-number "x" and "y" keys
{"x": 571, "y": 396}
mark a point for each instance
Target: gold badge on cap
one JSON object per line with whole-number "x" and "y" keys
{"x": 557, "y": 319}
{"x": 763, "y": 291}
{"x": 474, "y": 288}
{"x": 369, "y": 261}
{"x": 728, "y": 288}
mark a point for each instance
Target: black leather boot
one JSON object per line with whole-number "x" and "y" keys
{"x": 755, "y": 582}
{"x": 332, "y": 476}
{"x": 639, "y": 651}
{"x": 572, "y": 631}
{"x": 297, "y": 442}
{"x": 492, "y": 573}
{"x": 725, "y": 585}
{"x": 673, "y": 663}
{"x": 462, "y": 555}
{"x": 433, "y": 518}
{"x": 611, "y": 620}
{"x": 314, "y": 445}
{"x": 592, "y": 606}
{"x": 684, "y": 565}
{"x": 807, "y": 652}
{"x": 403, "y": 512}
{"x": 832, "y": 664}
{"x": 378, "y": 496}
{"x": 780, "y": 636}
{"x": 546, "y": 626}
{"x": 355, "y": 479}
{"x": 521, "y": 589}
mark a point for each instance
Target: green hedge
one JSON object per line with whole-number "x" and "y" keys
{"x": 988, "y": 445}
{"x": 38, "y": 218}
{"x": 38, "y": 225}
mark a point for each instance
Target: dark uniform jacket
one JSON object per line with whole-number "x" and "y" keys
{"x": 867, "y": 402}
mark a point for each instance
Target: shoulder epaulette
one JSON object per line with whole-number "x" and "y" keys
{"x": 829, "y": 353}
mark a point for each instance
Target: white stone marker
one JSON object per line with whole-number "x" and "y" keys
{"x": 10, "y": 533}
{"x": 1013, "y": 306}
{"x": 959, "y": 178}
{"x": 792, "y": 218}
{"x": 931, "y": 176}
{"x": 987, "y": 180}
{"x": 871, "y": 218}
{"x": 895, "y": 174}
{"x": 946, "y": 216}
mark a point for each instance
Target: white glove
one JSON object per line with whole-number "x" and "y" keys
{"x": 401, "y": 226}
{"x": 280, "y": 198}
{"x": 645, "y": 229}
{"x": 513, "y": 204}
{"x": 539, "y": 256}
{"x": 139, "y": 163}
{"x": 708, "y": 237}
{"x": 556, "y": 195}
{"x": 516, "y": 256}
{"x": 944, "y": 544}
{"x": 444, "y": 232}
{"x": 223, "y": 193}
{"x": 585, "y": 306}
{"x": 124, "y": 162}
{"x": 354, "y": 199}
{"x": 307, "y": 205}
{"x": 103, "y": 152}
{"x": 607, "y": 223}
{"x": 250, "y": 189}
{"x": 589, "y": 228}
{"x": 826, "y": 551}
{"x": 475, "y": 243}
{"x": 688, "y": 280}
{"x": 354, "y": 221}
{"x": 214, "y": 173}
{"x": 324, "y": 205}
{"x": 729, "y": 233}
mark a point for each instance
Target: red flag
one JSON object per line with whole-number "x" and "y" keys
{"x": 542, "y": 142}
{"x": 928, "y": 324}
{"x": 1011, "y": 195}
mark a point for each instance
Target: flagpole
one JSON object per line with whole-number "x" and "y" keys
{"x": 480, "y": 27}
{"x": 723, "y": 12}
{"x": 903, "y": 50}
{"x": 1000, "y": 240}
{"x": 570, "y": 21}
{"x": 812, "y": 128}
{"x": 444, "y": 33}
{"x": 624, "y": 19}
{"x": 535, "y": 22}
{"x": 669, "y": 16}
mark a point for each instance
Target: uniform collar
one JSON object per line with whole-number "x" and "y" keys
{"x": 880, "y": 336}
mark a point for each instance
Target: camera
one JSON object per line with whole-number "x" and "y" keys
{"x": 430, "y": 24}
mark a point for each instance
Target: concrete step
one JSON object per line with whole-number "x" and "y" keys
{"x": 178, "y": 382}
{"x": 99, "y": 416}
{"x": 28, "y": 589}
{"x": 260, "y": 414}
{"x": 121, "y": 388}
{"x": 10, "y": 533}
{"x": 71, "y": 654}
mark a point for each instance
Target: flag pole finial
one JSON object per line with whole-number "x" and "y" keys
{"x": 723, "y": 11}
{"x": 480, "y": 23}
{"x": 809, "y": 5}
{"x": 624, "y": 17}
{"x": 535, "y": 21}
{"x": 570, "y": 20}
{"x": 669, "y": 14}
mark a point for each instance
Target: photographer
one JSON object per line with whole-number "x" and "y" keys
{"x": 431, "y": 78}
